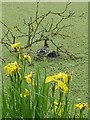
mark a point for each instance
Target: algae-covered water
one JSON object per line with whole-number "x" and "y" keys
{"x": 14, "y": 13}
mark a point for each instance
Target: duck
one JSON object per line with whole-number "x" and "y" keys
{"x": 43, "y": 50}
{"x": 52, "y": 54}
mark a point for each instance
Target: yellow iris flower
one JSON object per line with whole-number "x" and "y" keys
{"x": 29, "y": 78}
{"x": 81, "y": 105}
{"x": 61, "y": 79}
{"x": 28, "y": 57}
{"x": 16, "y": 46}
{"x": 11, "y": 67}
{"x": 49, "y": 79}
{"x": 64, "y": 77}
{"x": 63, "y": 87}
{"x": 26, "y": 93}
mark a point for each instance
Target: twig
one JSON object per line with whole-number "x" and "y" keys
{"x": 25, "y": 22}
{"x": 50, "y": 28}
{"x": 45, "y": 28}
{"x": 4, "y": 24}
{"x": 21, "y": 36}
{"x": 32, "y": 28}
{"x": 36, "y": 41}
{"x": 64, "y": 35}
{"x": 40, "y": 17}
{"x": 60, "y": 29}
{"x": 8, "y": 39}
{"x": 29, "y": 35}
{"x": 52, "y": 34}
{"x": 5, "y": 34}
{"x": 37, "y": 12}
{"x": 57, "y": 24}
{"x": 61, "y": 14}
{"x": 2, "y": 59}
{"x": 64, "y": 50}
{"x": 17, "y": 29}
{"x": 7, "y": 28}
{"x": 6, "y": 45}
{"x": 38, "y": 26}
{"x": 9, "y": 31}
{"x": 2, "y": 42}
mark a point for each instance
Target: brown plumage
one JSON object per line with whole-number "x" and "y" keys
{"x": 43, "y": 50}
{"x": 53, "y": 54}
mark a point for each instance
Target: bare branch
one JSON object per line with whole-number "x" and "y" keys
{"x": 61, "y": 13}
{"x": 64, "y": 50}
{"x": 6, "y": 45}
{"x": 21, "y": 36}
{"x": 64, "y": 35}
{"x": 37, "y": 12}
{"x": 17, "y": 29}
{"x": 5, "y": 34}
{"x": 7, "y": 28}
{"x": 32, "y": 27}
{"x": 2, "y": 59}
{"x": 57, "y": 24}
{"x": 29, "y": 35}
{"x": 54, "y": 33}
{"x": 38, "y": 25}
{"x": 50, "y": 28}
{"x": 4, "y": 24}
{"x": 45, "y": 28}
{"x": 8, "y": 39}
{"x": 25, "y": 22}
{"x": 2, "y": 42}
{"x": 40, "y": 17}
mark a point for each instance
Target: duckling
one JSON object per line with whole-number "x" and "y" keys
{"x": 53, "y": 54}
{"x": 43, "y": 50}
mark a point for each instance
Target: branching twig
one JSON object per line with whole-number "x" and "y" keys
{"x": 37, "y": 12}
{"x": 25, "y": 22}
{"x": 52, "y": 34}
{"x": 64, "y": 35}
{"x": 17, "y": 29}
{"x": 32, "y": 27}
{"x": 8, "y": 39}
{"x": 2, "y": 42}
{"x": 62, "y": 49}
{"x": 38, "y": 26}
{"x": 57, "y": 24}
{"x": 29, "y": 35}
{"x": 21, "y": 36}
{"x": 50, "y": 28}
{"x": 61, "y": 13}
{"x": 2, "y": 59}
{"x": 9, "y": 31}
{"x": 5, "y": 34}
{"x": 6, "y": 45}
